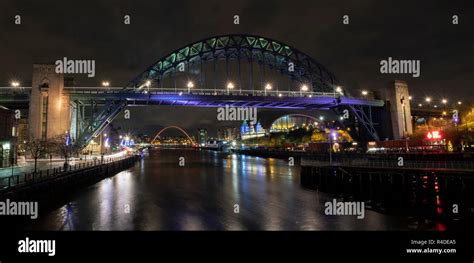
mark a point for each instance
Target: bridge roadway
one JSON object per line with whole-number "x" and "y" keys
{"x": 19, "y": 99}
{"x": 201, "y": 97}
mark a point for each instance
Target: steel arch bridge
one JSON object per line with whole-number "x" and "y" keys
{"x": 173, "y": 127}
{"x": 152, "y": 85}
{"x": 279, "y": 56}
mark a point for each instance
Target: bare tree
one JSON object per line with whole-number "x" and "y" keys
{"x": 62, "y": 146}
{"x": 36, "y": 148}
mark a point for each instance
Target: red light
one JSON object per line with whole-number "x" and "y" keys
{"x": 434, "y": 135}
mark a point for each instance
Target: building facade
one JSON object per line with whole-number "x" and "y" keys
{"x": 202, "y": 136}
{"x": 8, "y": 137}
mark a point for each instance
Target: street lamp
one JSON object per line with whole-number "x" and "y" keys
{"x": 364, "y": 93}
{"x": 304, "y": 88}
{"x": 230, "y": 86}
{"x": 428, "y": 99}
{"x": 15, "y": 83}
{"x": 148, "y": 83}
{"x": 459, "y": 102}
{"x": 332, "y": 138}
{"x": 267, "y": 87}
{"x": 105, "y": 83}
{"x": 444, "y": 101}
{"x": 410, "y": 97}
{"x": 190, "y": 86}
{"x": 339, "y": 89}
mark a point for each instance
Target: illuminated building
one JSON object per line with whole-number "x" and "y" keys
{"x": 250, "y": 130}
{"x": 202, "y": 136}
{"x": 293, "y": 121}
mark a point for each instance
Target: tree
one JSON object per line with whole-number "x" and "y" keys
{"x": 36, "y": 148}
{"x": 61, "y": 145}
{"x": 318, "y": 136}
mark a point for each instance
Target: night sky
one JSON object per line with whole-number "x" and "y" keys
{"x": 94, "y": 30}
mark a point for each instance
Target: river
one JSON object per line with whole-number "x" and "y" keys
{"x": 211, "y": 191}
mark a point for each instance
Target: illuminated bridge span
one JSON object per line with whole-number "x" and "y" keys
{"x": 216, "y": 98}
{"x": 173, "y": 127}
{"x": 212, "y": 72}
{"x": 234, "y": 70}
{"x": 201, "y": 98}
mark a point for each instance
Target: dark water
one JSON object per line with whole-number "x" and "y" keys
{"x": 158, "y": 194}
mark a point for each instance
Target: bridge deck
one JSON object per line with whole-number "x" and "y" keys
{"x": 211, "y": 100}
{"x": 205, "y": 97}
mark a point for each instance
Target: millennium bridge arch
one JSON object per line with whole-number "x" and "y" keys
{"x": 176, "y": 128}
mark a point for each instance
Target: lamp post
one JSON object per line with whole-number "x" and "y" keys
{"x": 332, "y": 138}
{"x": 428, "y": 100}
{"x": 190, "y": 85}
{"x": 15, "y": 84}
{"x": 267, "y": 87}
{"x": 230, "y": 86}
{"x": 444, "y": 102}
{"x": 304, "y": 88}
{"x": 13, "y": 162}
{"x": 330, "y": 150}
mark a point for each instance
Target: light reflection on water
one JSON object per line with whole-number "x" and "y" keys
{"x": 158, "y": 194}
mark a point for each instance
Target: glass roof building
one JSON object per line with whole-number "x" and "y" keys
{"x": 293, "y": 121}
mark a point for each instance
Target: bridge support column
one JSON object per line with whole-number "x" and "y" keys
{"x": 49, "y": 108}
{"x": 365, "y": 119}
{"x": 399, "y": 106}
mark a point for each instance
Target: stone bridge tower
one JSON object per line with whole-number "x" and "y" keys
{"x": 398, "y": 96}
{"x": 49, "y": 114}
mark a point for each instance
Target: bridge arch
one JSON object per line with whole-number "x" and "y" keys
{"x": 173, "y": 127}
{"x": 264, "y": 51}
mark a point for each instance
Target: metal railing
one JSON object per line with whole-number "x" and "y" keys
{"x": 53, "y": 172}
{"x": 379, "y": 163}
{"x": 193, "y": 91}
